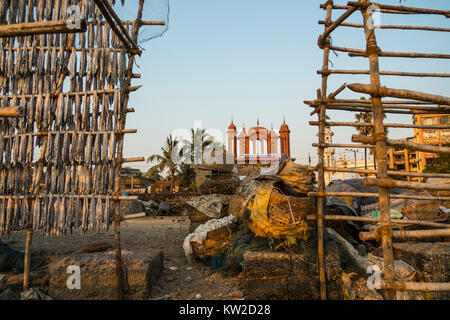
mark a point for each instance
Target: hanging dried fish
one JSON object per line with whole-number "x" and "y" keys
{"x": 77, "y": 214}
{"x": 107, "y": 213}
{"x": 97, "y": 149}
{"x": 36, "y": 213}
{"x": 2, "y": 215}
{"x": 88, "y": 149}
{"x": 85, "y": 215}
{"x": 9, "y": 214}
{"x": 57, "y": 149}
{"x": 46, "y": 120}
{"x": 65, "y": 152}
{"x": 99, "y": 214}
{"x": 69, "y": 215}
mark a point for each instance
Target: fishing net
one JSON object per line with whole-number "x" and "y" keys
{"x": 153, "y": 10}
{"x": 277, "y": 226}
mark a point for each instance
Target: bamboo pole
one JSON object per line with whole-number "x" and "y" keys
{"x": 11, "y": 112}
{"x": 392, "y": 111}
{"x": 389, "y": 183}
{"x": 41, "y": 27}
{"x": 388, "y": 73}
{"x": 122, "y": 123}
{"x": 394, "y": 27}
{"x": 72, "y": 132}
{"x": 415, "y": 286}
{"x": 116, "y": 24}
{"x": 391, "y": 172}
{"x": 380, "y": 148}
{"x": 363, "y": 53}
{"x": 378, "y": 91}
{"x": 342, "y": 145}
{"x": 403, "y": 9}
{"x": 405, "y": 145}
{"x": 377, "y": 220}
{"x": 34, "y": 192}
{"x": 68, "y": 196}
{"x": 382, "y": 10}
{"x": 324, "y": 43}
{"x": 412, "y": 234}
{"x": 368, "y": 102}
{"x": 130, "y": 160}
{"x": 71, "y": 94}
{"x": 434, "y": 110}
{"x": 376, "y": 195}
{"x": 413, "y": 55}
{"x": 387, "y": 125}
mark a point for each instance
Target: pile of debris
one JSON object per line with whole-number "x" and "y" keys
{"x": 216, "y": 179}
{"x": 266, "y": 230}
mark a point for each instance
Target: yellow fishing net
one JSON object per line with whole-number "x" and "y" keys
{"x": 262, "y": 226}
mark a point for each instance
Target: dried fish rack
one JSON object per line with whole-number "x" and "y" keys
{"x": 65, "y": 81}
{"x": 405, "y": 102}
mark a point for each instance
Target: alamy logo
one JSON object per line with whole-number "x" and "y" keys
{"x": 73, "y": 17}
{"x": 74, "y": 281}
{"x": 374, "y": 281}
{"x": 374, "y": 19}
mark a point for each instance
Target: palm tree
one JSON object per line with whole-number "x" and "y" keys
{"x": 198, "y": 142}
{"x": 155, "y": 175}
{"x": 165, "y": 160}
{"x": 186, "y": 174}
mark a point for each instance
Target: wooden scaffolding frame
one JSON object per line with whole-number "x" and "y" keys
{"x": 409, "y": 102}
{"x": 77, "y": 126}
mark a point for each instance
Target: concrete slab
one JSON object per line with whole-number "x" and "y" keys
{"x": 98, "y": 281}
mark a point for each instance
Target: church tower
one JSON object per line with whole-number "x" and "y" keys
{"x": 285, "y": 139}
{"x": 232, "y": 140}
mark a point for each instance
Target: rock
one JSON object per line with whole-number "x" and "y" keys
{"x": 286, "y": 276}
{"x": 188, "y": 279}
{"x": 98, "y": 280}
{"x": 164, "y": 209}
{"x": 174, "y": 268}
{"x": 198, "y": 296}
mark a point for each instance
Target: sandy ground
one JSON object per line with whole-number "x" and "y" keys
{"x": 165, "y": 233}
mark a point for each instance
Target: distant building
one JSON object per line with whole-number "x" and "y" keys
{"x": 132, "y": 180}
{"x": 417, "y": 161}
{"x": 258, "y": 145}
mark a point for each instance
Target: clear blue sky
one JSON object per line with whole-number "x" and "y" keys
{"x": 258, "y": 58}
